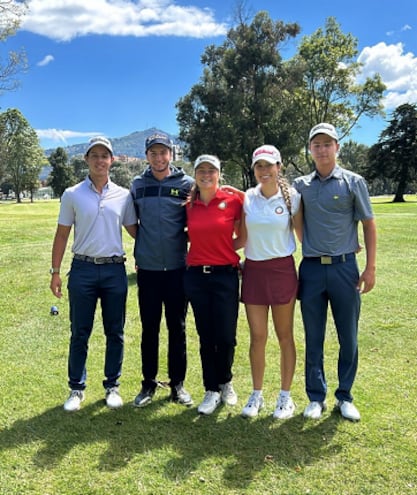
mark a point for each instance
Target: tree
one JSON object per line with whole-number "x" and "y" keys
{"x": 241, "y": 95}
{"x": 326, "y": 61}
{"x": 395, "y": 154}
{"x": 62, "y": 173}
{"x": 20, "y": 151}
{"x": 121, "y": 174}
{"x": 248, "y": 95}
{"x": 79, "y": 167}
{"x": 11, "y": 13}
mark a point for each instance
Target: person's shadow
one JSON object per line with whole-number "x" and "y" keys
{"x": 239, "y": 446}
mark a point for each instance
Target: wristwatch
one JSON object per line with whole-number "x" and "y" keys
{"x": 53, "y": 270}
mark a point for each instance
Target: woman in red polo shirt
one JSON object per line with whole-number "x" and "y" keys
{"x": 211, "y": 279}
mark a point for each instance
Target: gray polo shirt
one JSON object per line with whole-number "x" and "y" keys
{"x": 332, "y": 209}
{"x": 97, "y": 217}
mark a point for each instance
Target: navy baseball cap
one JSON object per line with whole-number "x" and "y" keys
{"x": 158, "y": 138}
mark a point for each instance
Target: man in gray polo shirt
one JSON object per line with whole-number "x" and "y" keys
{"x": 334, "y": 200}
{"x": 97, "y": 208}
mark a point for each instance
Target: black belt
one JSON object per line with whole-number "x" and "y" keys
{"x": 331, "y": 260}
{"x": 212, "y": 268}
{"x": 100, "y": 260}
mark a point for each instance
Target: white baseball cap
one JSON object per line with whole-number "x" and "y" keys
{"x": 324, "y": 128}
{"x": 99, "y": 140}
{"x": 268, "y": 153}
{"x": 213, "y": 160}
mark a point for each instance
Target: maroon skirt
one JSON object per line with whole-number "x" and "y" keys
{"x": 269, "y": 282}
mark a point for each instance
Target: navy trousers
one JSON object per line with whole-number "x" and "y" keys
{"x": 87, "y": 283}
{"x": 319, "y": 285}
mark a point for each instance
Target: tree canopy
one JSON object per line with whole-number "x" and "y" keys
{"x": 395, "y": 154}
{"x": 62, "y": 173}
{"x": 14, "y": 62}
{"x": 248, "y": 95}
{"x": 20, "y": 153}
{"x": 238, "y": 102}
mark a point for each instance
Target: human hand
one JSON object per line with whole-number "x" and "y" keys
{"x": 233, "y": 190}
{"x": 366, "y": 281}
{"x": 56, "y": 285}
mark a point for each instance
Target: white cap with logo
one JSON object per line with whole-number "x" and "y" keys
{"x": 99, "y": 140}
{"x": 324, "y": 128}
{"x": 268, "y": 153}
{"x": 211, "y": 159}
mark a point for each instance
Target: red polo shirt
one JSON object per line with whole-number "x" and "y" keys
{"x": 210, "y": 230}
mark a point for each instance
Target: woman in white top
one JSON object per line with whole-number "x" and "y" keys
{"x": 272, "y": 210}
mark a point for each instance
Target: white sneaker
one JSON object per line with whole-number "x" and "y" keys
{"x": 253, "y": 406}
{"x": 228, "y": 395}
{"x": 113, "y": 399}
{"x": 315, "y": 409}
{"x": 348, "y": 410}
{"x": 210, "y": 402}
{"x": 74, "y": 400}
{"x": 285, "y": 408}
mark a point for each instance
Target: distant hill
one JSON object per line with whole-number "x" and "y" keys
{"x": 131, "y": 145}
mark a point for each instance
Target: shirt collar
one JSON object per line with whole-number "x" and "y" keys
{"x": 93, "y": 187}
{"x": 259, "y": 194}
{"x": 336, "y": 173}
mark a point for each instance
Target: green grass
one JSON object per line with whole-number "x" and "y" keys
{"x": 166, "y": 449}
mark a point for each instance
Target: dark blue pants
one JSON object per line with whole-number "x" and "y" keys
{"x": 214, "y": 298}
{"x": 155, "y": 290}
{"x": 86, "y": 284}
{"x": 320, "y": 285}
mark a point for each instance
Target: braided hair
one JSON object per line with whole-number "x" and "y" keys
{"x": 285, "y": 189}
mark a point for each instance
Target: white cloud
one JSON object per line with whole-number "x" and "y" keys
{"x": 398, "y": 71}
{"x": 45, "y": 61}
{"x": 406, "y": 27}
{"x": 62, "y": 136}
{"x": 68, "y": 19}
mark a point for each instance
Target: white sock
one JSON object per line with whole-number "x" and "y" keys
{"x": 284, "y": 393}
{"x": 257, "y": 393}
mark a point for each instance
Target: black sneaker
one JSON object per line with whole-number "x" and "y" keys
{"x": 181, "y": 396}
{"x": 144, "y": 397}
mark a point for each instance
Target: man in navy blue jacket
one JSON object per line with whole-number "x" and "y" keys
{"x": 159, "y": 194}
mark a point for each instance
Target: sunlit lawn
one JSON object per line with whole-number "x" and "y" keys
{"x": 166, "y": 449}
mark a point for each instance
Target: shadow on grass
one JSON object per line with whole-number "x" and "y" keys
{"x": 238, "y": 446}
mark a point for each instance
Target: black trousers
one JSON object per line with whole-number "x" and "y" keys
{"x": 158, "y": 290}
{"x": 214, "y": 298}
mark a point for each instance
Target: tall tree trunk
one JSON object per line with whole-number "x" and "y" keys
{"x": 399, "y": 194}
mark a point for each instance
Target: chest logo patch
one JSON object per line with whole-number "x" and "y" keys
{"x": 222, "y": 205}
{"x": 174, "y": 192}
{"x": 279, "y": 210}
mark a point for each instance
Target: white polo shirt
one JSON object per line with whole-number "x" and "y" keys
{"x": 268, "y": 224}
{"x": 97, "y": 217}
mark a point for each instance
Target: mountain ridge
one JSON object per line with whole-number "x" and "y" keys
{"x": 132, "y": 145}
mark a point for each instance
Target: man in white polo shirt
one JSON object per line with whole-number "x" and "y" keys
{"x": 97, "y": 208}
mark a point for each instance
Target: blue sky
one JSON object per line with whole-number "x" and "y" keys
{"x": 114, "y": 67}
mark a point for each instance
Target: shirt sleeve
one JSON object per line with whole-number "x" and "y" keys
{"x": 66, "y": 213}
{"x": 295, "y": 201}
{"x": 129, "y": 217}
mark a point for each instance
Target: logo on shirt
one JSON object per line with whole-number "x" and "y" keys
{"x": 174, "y": 192}
{"x": 279, "y": 210}
{"x": 222, "y": 205}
